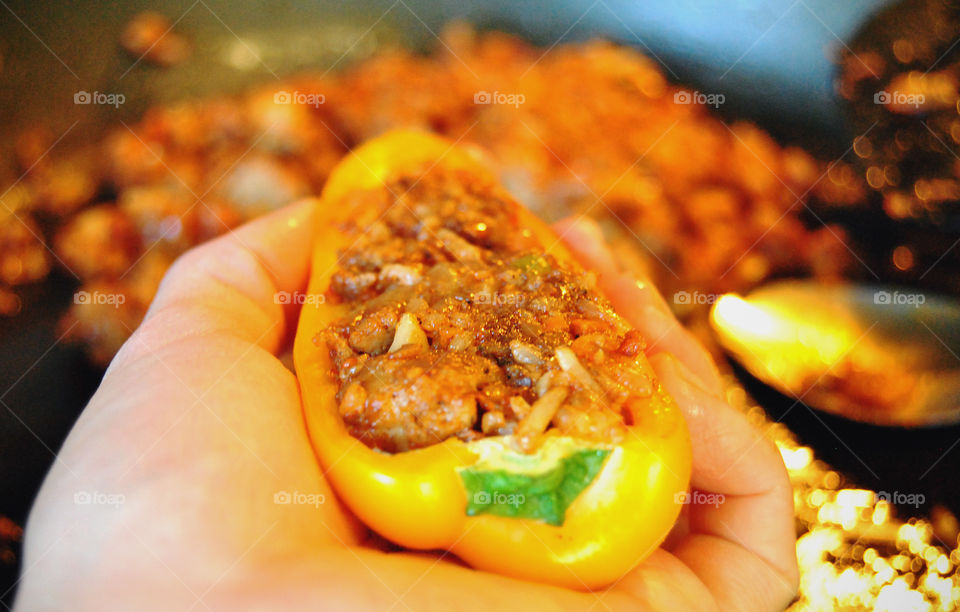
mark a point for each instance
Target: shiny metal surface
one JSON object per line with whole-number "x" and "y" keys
{"x": 875, "y": 354}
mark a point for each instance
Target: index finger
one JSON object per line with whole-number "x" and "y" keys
{"x": 751, "y": 521}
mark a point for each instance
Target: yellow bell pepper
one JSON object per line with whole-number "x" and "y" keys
{"x": 421, "y": 499}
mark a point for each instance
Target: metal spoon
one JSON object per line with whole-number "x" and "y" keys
{"x": 881, "y": 355}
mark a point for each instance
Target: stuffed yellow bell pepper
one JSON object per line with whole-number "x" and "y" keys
{"x": 465, "y": 385}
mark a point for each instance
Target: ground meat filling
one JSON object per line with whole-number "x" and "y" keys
{"x": 459, "y": 326}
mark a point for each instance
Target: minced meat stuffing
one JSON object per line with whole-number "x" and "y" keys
{"x": 461, "y": 326}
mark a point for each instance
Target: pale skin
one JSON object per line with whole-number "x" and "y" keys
{"x": 197, "y": 425}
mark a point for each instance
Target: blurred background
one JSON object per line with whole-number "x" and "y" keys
{"x": 785, "y": 170}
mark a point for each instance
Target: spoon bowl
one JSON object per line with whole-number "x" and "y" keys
{"x": 876, "y": 354}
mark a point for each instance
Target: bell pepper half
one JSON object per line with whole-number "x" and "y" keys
{"x": 574, "y": 513}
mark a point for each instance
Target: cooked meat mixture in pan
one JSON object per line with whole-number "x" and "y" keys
{"x": 461, "y": 326}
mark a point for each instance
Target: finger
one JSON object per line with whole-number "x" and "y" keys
{"x": 751, "y": 505}
{"x": 737, "y": 579}
{"x": 638, "y": 301}
{"x": 232, "y": 286}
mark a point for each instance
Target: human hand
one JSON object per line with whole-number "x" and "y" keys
{"x": 170, "y": 491}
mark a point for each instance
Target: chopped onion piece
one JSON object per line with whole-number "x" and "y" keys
{"x": 400, "y": 273}
{"x": 492, "y": 422}
{"x": 408, "y": 332}
{"x": 543, "y": 383}
{"x": 461, "y": 342}
{"x": 570, "y": 363}
{"x": 524, "y": 353}
{"x": 520, "y": 406}
{"x": 542, "y": 412}
{"x": 457, "y": 246}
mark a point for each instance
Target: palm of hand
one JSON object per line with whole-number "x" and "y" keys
{"x": 197, "y": 428}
